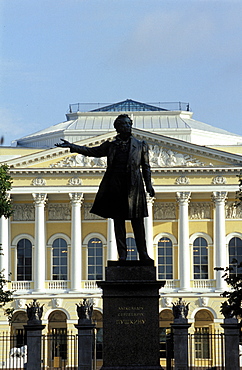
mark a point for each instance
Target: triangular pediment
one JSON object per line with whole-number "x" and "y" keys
{"x": 165, "y": 152}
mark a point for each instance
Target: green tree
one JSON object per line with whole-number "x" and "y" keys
{"x": 232, "y": 306}
{"x": 6, "y": 211}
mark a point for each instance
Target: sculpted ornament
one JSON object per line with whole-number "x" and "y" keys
{"x": 198, "y": 211}
{"x": 74, "y": 181}
{"x": 164, "y": 211}
{"x": 39, "y": 181}
{"x": 59, "y": 212}
{"x": 160, "y": 157}
{"x": 90, "y": 216}
{"x": 219, "y": 180}
{"x": 23, "y": 212}
{"x": 80, "y": 160}
{"x": 182, "y": 180}
{"x": 233, "y": 211}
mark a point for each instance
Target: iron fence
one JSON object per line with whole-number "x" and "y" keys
{"x": 206, "y": 351}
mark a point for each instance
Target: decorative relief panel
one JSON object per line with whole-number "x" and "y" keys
{"x": 164, "y": 211}
{"x": 23, "y": 212}
{"x": 74, "y": 181}
{"x": 39, "y": 181}
{"x": 219, "y": 180}
{"x": 233, "y": 211}
{"x": 160, "y": 157}
{"x": 198, "y": 211}
{"x": 182, "y": 180}
{"x": 90, "y": 216}
{"x": 59, "y": 211}
{"x": 80, "y": 160}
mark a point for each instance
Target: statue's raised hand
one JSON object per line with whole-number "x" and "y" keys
{"x": 65, "y": 144}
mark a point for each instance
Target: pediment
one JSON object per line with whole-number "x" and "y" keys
{"x": 165, "y": 152}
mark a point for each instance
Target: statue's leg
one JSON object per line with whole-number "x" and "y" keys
{"x": 120, "y": 235}
{"x": 139, "y": 235}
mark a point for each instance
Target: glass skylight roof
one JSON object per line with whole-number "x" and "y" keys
{"x": 128, "y": 106}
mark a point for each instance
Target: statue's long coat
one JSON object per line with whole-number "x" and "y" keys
{"x": 138, "y": 158}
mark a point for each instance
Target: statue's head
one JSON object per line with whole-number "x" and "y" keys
{"x": 123, "y": 124}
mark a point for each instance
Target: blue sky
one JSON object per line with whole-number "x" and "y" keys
{"x": 57, "y": 52}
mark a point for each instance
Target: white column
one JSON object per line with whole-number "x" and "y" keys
{"x": 40, "y": 243}
{"x": 76, "y": 241}
{"x": 4, "y": 245}
{"x": 183, "y": 240}
{"x": 112, "y": 254}
{"x": 220, "y": 254}
{"x": 149, "y": 227}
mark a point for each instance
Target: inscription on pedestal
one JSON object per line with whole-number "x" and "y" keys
{"x": 131, "y": 316}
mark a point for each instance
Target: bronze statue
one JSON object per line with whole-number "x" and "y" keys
{"x": 121, "y": 195}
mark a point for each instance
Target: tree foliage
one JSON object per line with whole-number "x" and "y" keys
{"x": 232, "y": 306}
{"x": 6, "y": 210}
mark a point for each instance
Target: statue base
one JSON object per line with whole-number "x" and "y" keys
{"x": 131, "y": 316}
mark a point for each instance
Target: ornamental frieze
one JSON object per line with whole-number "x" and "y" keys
{"x": 164, "y": 211}
{"x": 233, "y": 211}
{"x": 39, "y": 181}
{"x": 199, "y": 211}
{"x": 160, "y": 157}
{"x": 89, "y": 216}
{"x": 59, "y": 211}
{"x": 23, "y": 212}
{"x": 80, "y": 160}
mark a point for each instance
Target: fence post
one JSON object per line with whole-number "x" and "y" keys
{"x": 231, "y": 335}
{"x": 180, "y": 328}
{"x": 34, "y": 329}
{"x": 85, "y": 335}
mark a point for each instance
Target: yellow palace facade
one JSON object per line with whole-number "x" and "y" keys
{"x": 55, "y": 250}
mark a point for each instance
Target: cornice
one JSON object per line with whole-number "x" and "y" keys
{"x": 207, "y": 188}
{"x": 154, "y": 170}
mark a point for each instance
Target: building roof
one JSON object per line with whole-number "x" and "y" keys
{"x": 173, "y": 123}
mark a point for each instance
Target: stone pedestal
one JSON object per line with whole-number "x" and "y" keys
{"x": 231, "y": 336}
{"x": 131, "y": 316}
{"x": 34, "y": 335}
{"x": 180, "y": 336}
{"x": 85, "y": 341}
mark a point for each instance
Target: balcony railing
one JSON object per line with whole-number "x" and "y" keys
{"x": 21, "y": 285}
{"x": 90, "y": 285}
{"x": 171, "y": 284}
{"x": 203, "y": 284}
{"x": 57, "y": 284}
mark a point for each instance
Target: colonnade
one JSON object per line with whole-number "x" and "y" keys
{"x": 76, "y": 200}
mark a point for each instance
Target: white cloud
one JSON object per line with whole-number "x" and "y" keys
{"x": 181, "y": 35}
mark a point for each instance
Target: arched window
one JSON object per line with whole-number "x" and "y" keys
{"x": 59, "y": 259}
{"x": 235, "y": 255}
{"x": 24, "y": 260}
{"x": 95, "y": 259}
{"x": 132, "y": 254}
{"x": 200, "y": 258}
{"x": 165, "y": 259}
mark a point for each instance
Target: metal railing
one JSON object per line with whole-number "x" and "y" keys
{"x": 87, "y": 107}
